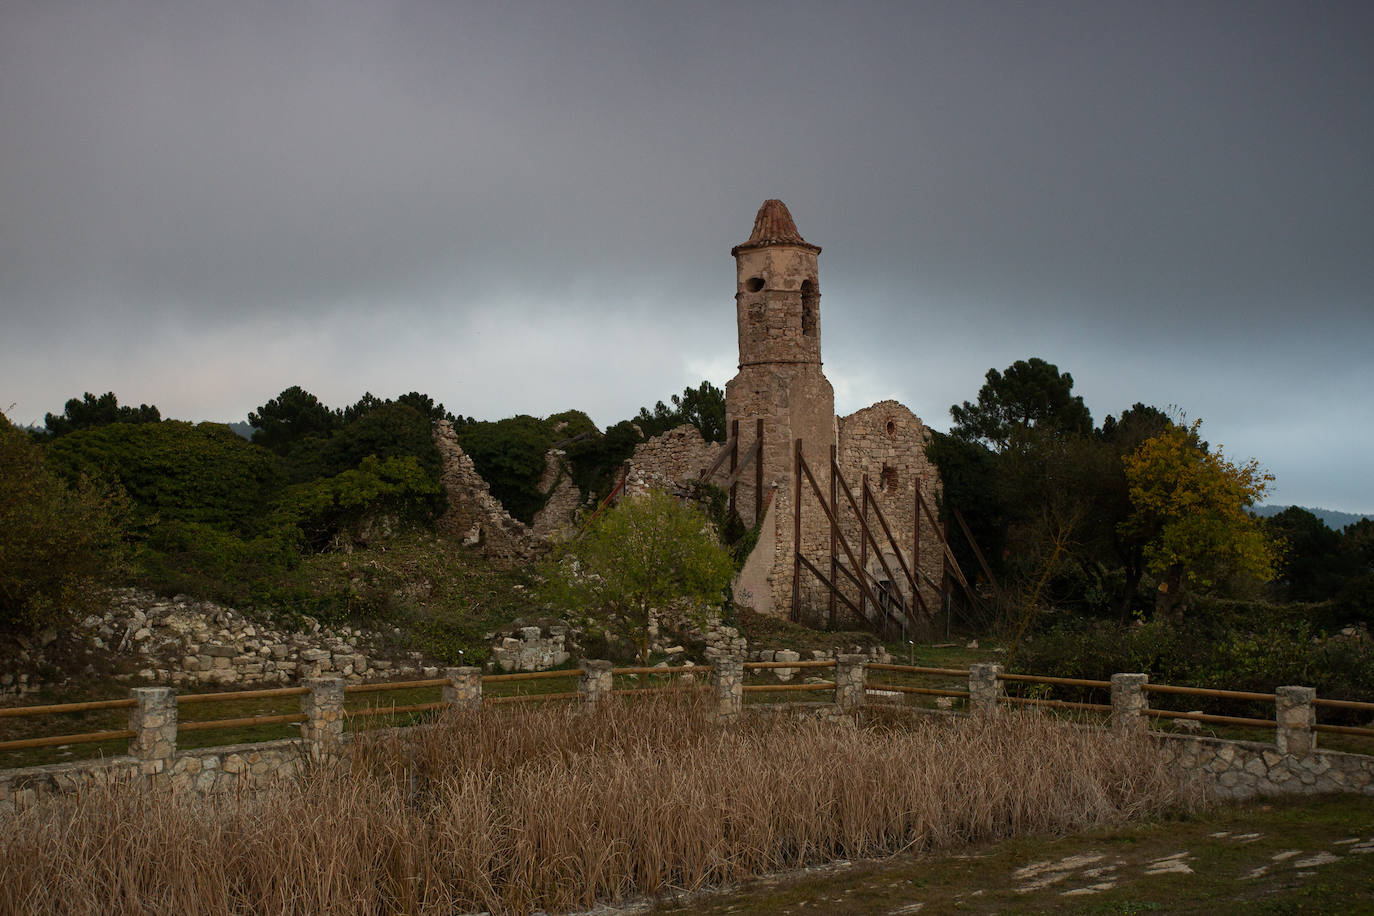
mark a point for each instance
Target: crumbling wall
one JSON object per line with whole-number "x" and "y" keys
{"x": 887, "y": 442}
{"x": 475, "y": 516}
{"x": 564, "y": 498}
{"x": 670, "y": 462}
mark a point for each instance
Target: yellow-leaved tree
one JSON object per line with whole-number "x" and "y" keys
{"x": 1188, "y": 507}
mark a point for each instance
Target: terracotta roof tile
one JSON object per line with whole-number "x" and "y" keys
{"x": 774, "y": 226}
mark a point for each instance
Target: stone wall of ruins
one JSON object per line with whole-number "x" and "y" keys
{"x": 552, "y": 521}
{"x": 887, "y": 443}
{"x": 474, "y": 516}
{"x": 670, "y": 462}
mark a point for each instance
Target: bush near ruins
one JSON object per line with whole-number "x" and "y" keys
{"x": 57, "y": 540}
{"x": 648, "y": 554}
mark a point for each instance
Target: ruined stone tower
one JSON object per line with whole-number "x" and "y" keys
{"x": 777, "y": 308}
{"x": 777, "y": 312}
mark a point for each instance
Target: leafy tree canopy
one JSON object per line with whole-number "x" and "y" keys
{"x": 1189, "y": 506}
{"x": 509, "y": 454}
{"x": 1030, "y": 393}
{"x": 57, "y": 541}
{"x": 702, "y": 406}
{"x": 648, "y": 554}
{"x": 291, "y": 416}
{"x": 175, "y": 470}
{"x": 91, "y": 411}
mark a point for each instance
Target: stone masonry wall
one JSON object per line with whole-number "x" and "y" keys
{"x": 474, "y": 515}
{"x": 669, "y": 462}
{"x": 887, "y": 442}
{"x": 1245, "y": 769}
{"x": 564, "y": 498}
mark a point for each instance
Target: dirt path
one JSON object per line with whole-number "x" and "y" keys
{"x": 1309, "y": 856}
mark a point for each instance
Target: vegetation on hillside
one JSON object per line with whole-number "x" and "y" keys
{"x": 1133, "y": 547}
{"x": 646, "y": 556}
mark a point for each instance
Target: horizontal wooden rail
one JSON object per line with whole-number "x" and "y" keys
{"x": 1058, "y": 704}
{"x": 630, "y": 691}
{"x": 51, "y": 740}
{"x": 819, "y": 663}
{"x": 397, "y": 685}
{"x": 242, "y": 695}
{"x": 917, "y": 669}
{"x": 244, "y": 722}
{"x": 681, "y": 669}
{"x": 768, "y": 688}
{"x": 529, "y": 676}
{"x": 56, "y": 709}
{"x": 393, "y": 710}
{"x": 1065, "y": 681}
{"x": 1209, "y": 692}
{"x": 1344, "y": 730}
{"x": 1344, "y": 704}
{"x": 1204, "y": 717}
{"x": 923, "y": 691}
{"x": 531, "y": 697}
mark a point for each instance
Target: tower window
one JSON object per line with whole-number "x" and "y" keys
{"x": 891, "y": 429}
{"x": 754, "y": 284}
{"x": 810, "y": 306}
{"x": 888, "y": 481}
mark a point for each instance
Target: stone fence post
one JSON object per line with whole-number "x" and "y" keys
{"x": 984, "y": 688}
{"x": 464, "y": 687}
{"x": 727, "y": 679}
{"x": 849, "y": 681}
{"x": 1129, "y": 702}
{"x": 594, "y": 683}
{"x": 323, "y": 727}
{"x": 1296, "y": 715}
{"x": 154, "y": 722}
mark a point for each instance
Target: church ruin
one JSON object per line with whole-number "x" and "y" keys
{"x": 781, "y": 382}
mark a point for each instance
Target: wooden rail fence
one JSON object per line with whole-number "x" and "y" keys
{"x": 852, "y": 680}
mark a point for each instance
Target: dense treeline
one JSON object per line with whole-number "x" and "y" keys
{"x": 107, "y": 490}
{"x": 1132, "y": 546}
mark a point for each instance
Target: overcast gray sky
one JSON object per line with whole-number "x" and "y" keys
{"x": 524, "y": 208}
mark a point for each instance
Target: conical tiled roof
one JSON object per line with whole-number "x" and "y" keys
{"x": 774, "y": 226}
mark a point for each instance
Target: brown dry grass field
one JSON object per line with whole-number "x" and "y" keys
{"x": 515, "y": 810}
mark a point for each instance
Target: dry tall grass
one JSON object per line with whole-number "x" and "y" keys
{"x": 512, "y": 810}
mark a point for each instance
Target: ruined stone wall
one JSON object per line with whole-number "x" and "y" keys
{"x": 887, "y": 442}
{"x": 474, "y": 516}
{"x": 564, "y": 498}
{"x": 670, "y": 462}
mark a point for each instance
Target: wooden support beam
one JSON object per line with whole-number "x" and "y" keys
{"x": 844, "y": 542}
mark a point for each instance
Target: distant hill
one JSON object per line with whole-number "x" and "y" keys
{"x": 1334, "y": 520}
{"x": 242, "y": 428}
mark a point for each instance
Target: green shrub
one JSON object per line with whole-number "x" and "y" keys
{"x": 377, "y": 491}
{"x": 57, "y": 541}
{"x": 176, "y": 471}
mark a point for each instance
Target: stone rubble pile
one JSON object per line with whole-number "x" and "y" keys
{"x": 533, "y": 651}
{"x": 182, "y": 641}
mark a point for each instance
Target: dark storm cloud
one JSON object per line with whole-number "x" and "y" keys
{"x": 525, "y": 207}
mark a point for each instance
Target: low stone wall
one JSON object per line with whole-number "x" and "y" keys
{"x": 1246, "y": 769}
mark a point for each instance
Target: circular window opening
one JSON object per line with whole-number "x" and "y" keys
{"x": 891, "y": 428}
{"x": 754, "y": 284}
